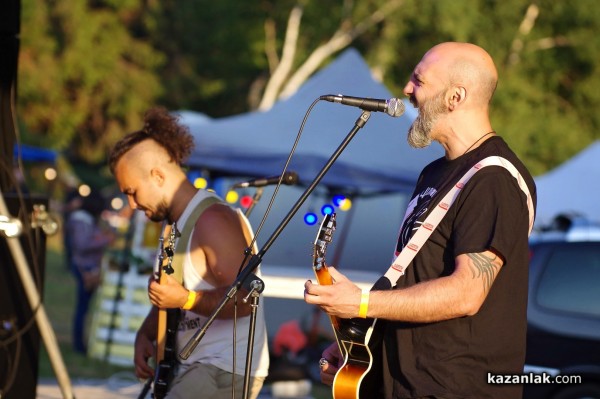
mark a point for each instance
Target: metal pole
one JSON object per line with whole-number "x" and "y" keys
{"x": 40, "y": 315}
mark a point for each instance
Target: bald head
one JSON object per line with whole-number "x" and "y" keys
{"x": 467, "y": 65}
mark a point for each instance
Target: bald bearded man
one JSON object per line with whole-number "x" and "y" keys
{"x": 147, "y": 165}
{"x": 458, "y": 314}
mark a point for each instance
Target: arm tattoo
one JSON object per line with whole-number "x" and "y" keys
{"x": 484, "y": 267}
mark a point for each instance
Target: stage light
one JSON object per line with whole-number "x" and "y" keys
{"x": 346, "y": 204}
{"x": 246, "y": 201}
{"x": 310, "y": 218}
{"x": 200, "y": 182}
{"x": 232, "y": 197}
{"x": 338, "y": 199}
{"x": 327, "y": 209}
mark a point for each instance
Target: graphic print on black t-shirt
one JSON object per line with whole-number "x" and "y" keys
{"x": 415, "y": 212}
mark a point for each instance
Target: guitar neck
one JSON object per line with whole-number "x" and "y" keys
{"x": 161, "y": 335}
{"x": 324, "y": 278}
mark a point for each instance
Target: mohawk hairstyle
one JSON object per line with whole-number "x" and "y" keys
{"x": 163, "y": 128}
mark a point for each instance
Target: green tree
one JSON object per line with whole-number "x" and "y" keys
{"x": 84, "y": 77}
{"x": 89, "y": 70}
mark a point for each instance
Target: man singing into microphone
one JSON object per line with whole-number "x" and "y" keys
{"x": 458, "y": 314}
{"x": 147, "y": 166}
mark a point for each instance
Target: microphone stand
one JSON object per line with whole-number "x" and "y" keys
{"x": 255, "y": 199}
{"x": 256, "y": 259}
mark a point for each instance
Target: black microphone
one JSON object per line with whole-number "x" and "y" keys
{"x": 289, "y": 178}
{"x": 393, "y": 107}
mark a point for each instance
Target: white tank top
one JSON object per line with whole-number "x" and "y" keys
{"x": 216, "y": 346}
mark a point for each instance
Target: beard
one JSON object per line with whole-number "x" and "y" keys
{"x": 419, "y": 134}
{"x": 161, "y": 213}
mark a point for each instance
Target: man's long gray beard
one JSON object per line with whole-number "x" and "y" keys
{"x": 419, "y": 134}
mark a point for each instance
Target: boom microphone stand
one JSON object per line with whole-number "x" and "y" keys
{"x": 255, "y": 260}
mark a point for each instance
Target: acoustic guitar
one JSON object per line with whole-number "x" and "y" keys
{"x": 357, "y": 340}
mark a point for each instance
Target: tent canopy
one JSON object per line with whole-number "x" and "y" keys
{"x": 30, "y": 153}
{"x": 571, "y": 187}
{"x": 377, "y": 160}
{"x": 257, "y": 144}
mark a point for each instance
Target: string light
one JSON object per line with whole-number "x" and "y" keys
{"x": 310, "y": 218}
{"x": 338, "y": 199}
{"x": 246, "y": 201}
{"x": 117, "y": 203}
{"x": 200, "y": 182}
{"x": 84, "y": 190}
{"x": 346, "y": 204}
{"x": 232, "y": 197}
{"x": 327, "y": 209}
{"x": 50, "y": 174}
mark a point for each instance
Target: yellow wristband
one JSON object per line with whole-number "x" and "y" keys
{"x": 190, "y": 301}
{"x": 364, "y": 305}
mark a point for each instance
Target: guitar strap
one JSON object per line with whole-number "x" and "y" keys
{"x": 418, "y": 239}
{"x": 184, "y": 238}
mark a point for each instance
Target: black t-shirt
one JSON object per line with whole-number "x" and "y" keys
{"x": 452, "y": 358}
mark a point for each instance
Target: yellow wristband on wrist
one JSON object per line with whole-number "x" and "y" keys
{"x": 190, "y": 300}
{"x": 364, "y": 304}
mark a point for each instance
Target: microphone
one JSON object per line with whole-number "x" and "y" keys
{"x": 289, "y": 178}
{"x": 393, "y": 107}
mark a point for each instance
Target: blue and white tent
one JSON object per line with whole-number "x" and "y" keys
{"x": 378, "y": 160}
{"x": 257, "y": 144}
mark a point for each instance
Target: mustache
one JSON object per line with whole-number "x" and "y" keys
{"x": 413, "y": 101}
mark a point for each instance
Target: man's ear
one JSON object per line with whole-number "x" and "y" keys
{"x": 456, "y": 96}
{"x": 158, "y": 176}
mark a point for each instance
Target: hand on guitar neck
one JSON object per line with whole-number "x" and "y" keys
{"x": 348, "y": 364}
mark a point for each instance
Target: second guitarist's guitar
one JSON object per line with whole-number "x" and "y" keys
{"x": 168, "y": 320}
{"x": 358, "y": 377}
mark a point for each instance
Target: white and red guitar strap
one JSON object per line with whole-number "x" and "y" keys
{"x": 417, "y": 241}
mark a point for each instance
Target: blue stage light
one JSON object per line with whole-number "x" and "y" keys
{"x": 310, "y": 218}
{"x": 327, "y": 209}
{"x": 338, "y": 199}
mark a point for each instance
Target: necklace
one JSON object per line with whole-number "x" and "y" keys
{"x": 478, "y": 140}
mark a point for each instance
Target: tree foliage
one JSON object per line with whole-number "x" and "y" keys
{"x": 84, "y": 77}
{"x": 88, "y": 70}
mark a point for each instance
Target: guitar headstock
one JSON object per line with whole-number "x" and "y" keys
{"x": 324, "y": 237}
{"x": 169, "y": 249}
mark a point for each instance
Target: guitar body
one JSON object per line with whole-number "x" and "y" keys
{"x": 167, "y": 361}
{"x": 357, "y": 339}
{"x": 358, "y": 377}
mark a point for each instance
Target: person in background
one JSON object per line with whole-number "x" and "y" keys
{"x": 459, "y": 313}
{"x": 87, "y": 241}
{"x": 71, "y": 203}
{"x": 147, "y": 165}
